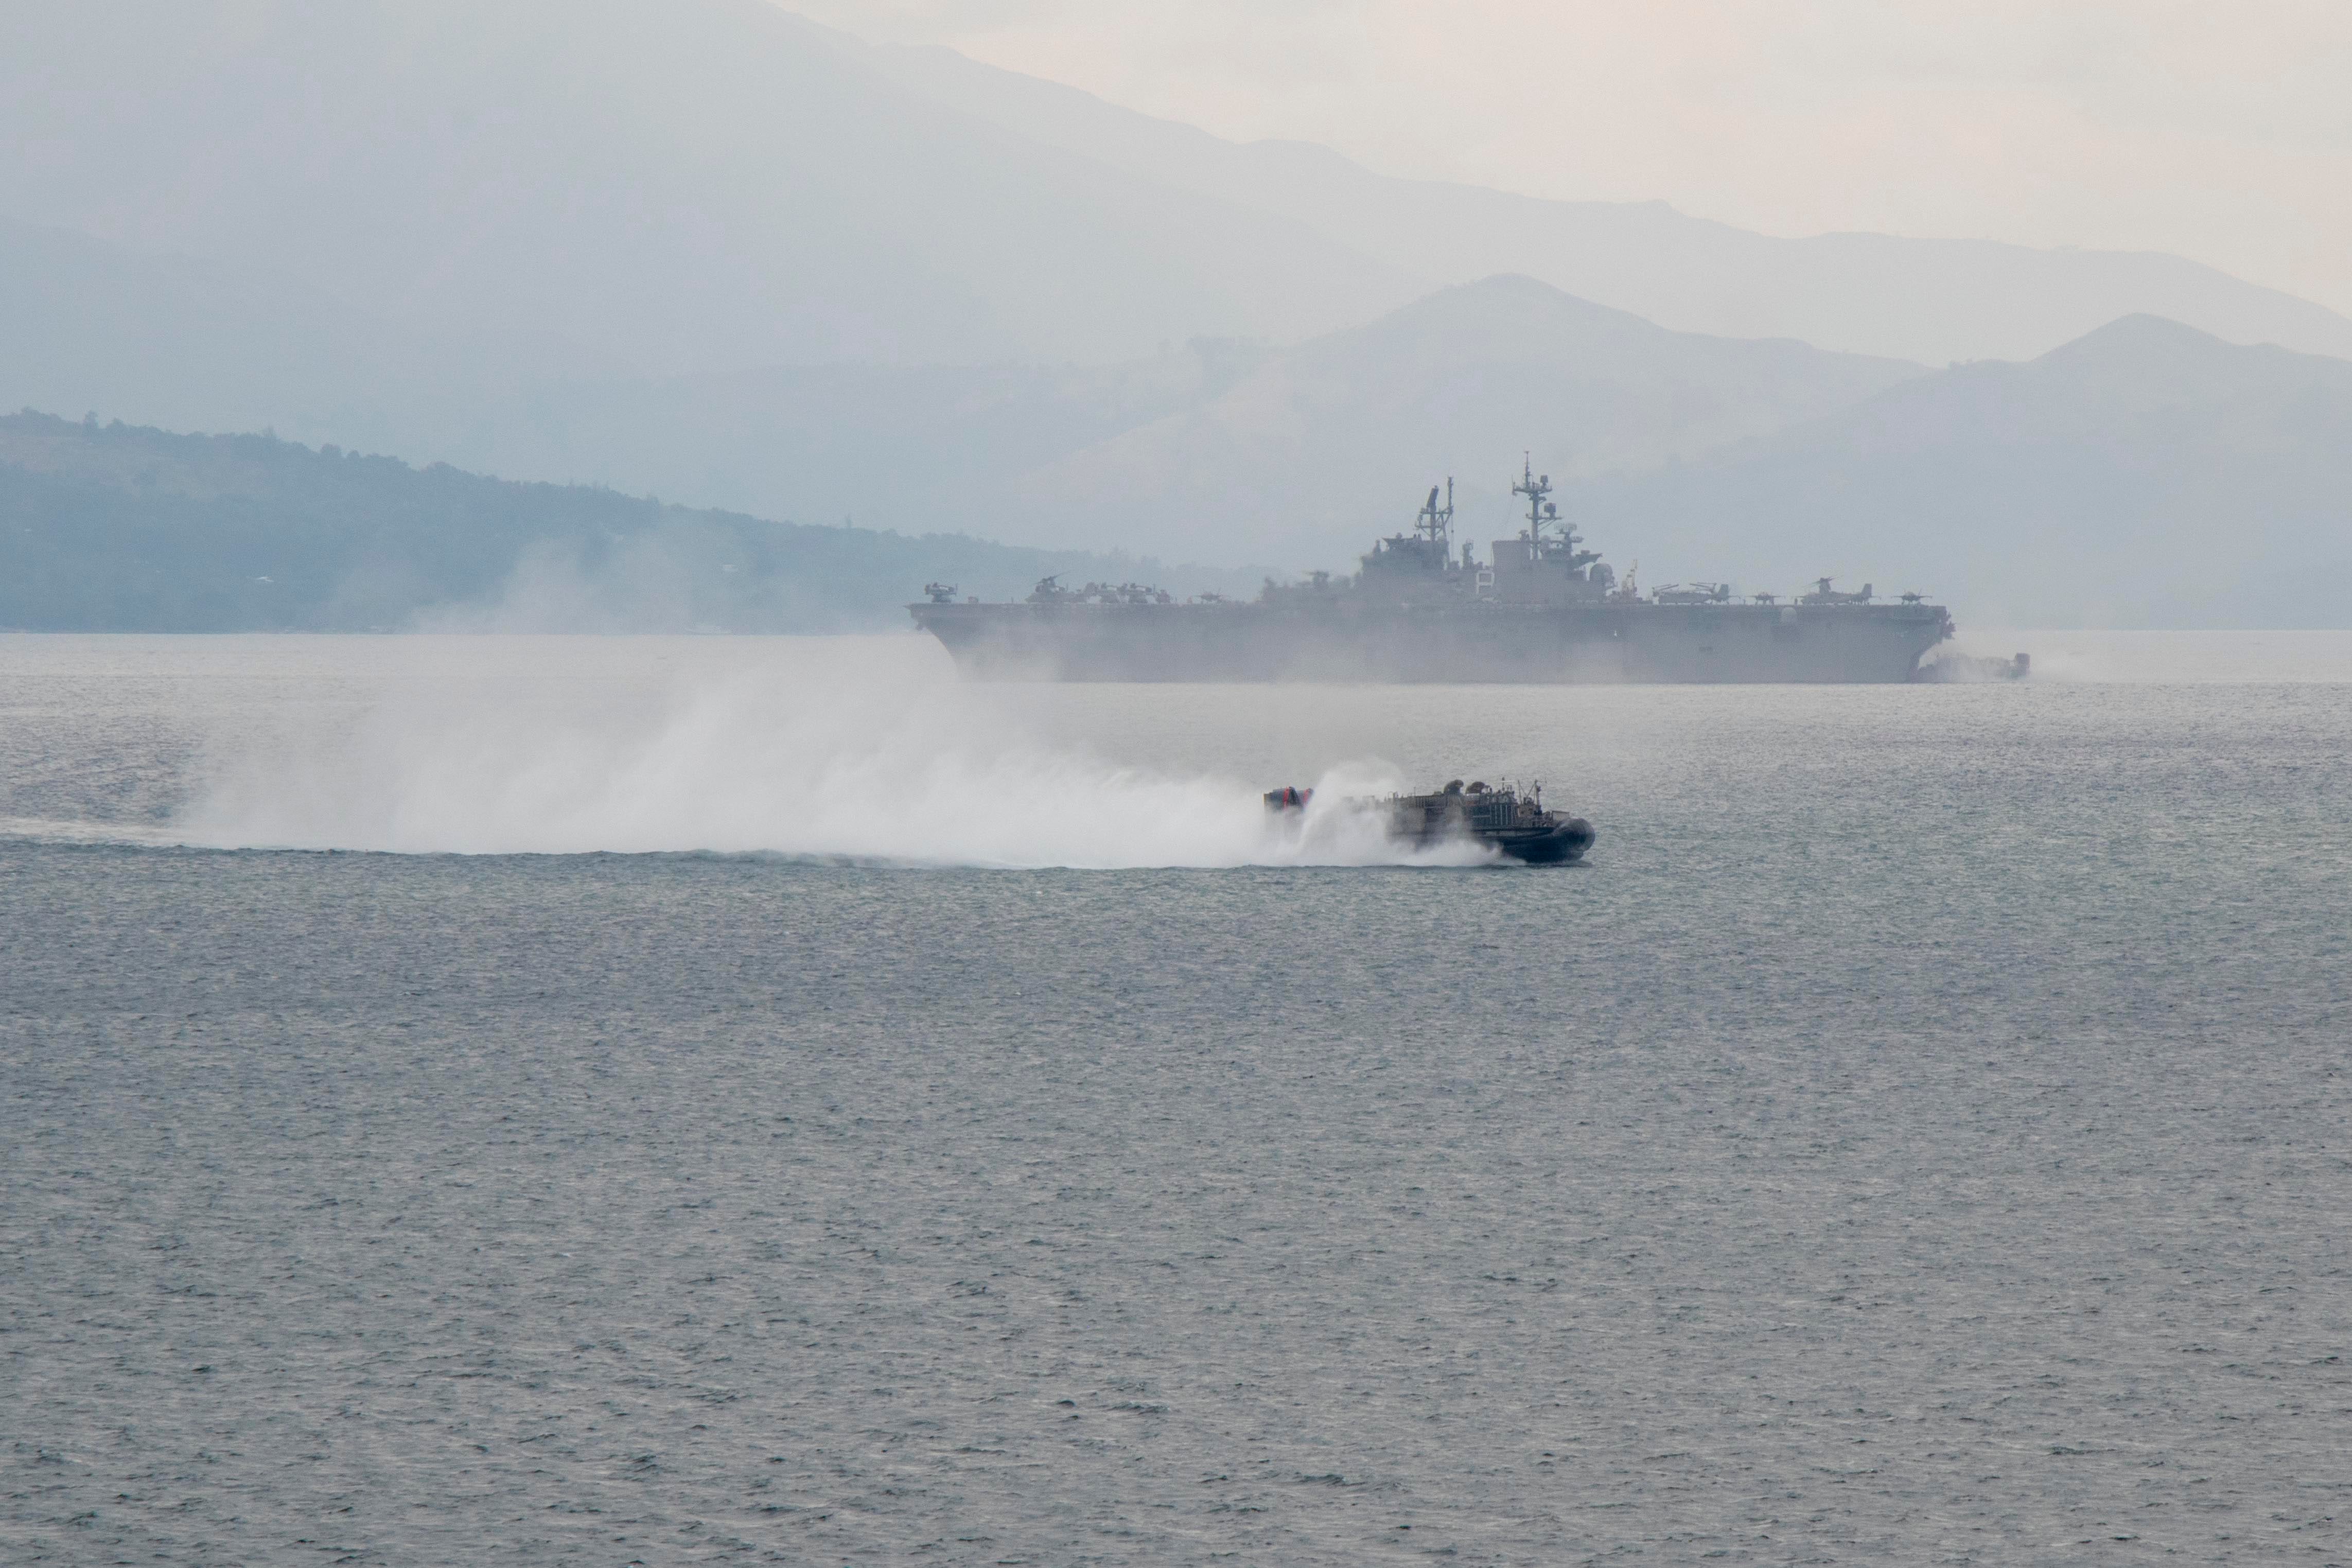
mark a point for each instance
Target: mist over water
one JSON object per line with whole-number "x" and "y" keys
{"x": 881, "y": 758}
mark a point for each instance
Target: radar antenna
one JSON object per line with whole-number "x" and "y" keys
{"x": 1436, "y": 523}
{"x": 1542, "y": 512}
{"x": 1535, "y": 488}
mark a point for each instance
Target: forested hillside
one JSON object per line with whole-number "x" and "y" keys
{"x": 125, "y": 528}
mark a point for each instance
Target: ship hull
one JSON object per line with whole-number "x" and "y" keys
{"x": 1587, "y": 643}
{"x": 1559, "y": 843}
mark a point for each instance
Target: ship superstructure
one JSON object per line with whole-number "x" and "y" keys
{"x": 1544, "y": 609}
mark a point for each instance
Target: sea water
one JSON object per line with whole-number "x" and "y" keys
{"x": 549, "y": 1101}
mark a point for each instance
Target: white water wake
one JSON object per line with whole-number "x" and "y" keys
{"x": 908, "y": 772}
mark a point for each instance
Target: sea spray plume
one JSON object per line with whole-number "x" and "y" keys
{"x": 889, "y": 766}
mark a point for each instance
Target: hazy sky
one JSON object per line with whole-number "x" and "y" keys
{"x": 2222, "y": 131}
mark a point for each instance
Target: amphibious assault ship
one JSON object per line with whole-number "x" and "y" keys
{"x": 1543, "y": 608}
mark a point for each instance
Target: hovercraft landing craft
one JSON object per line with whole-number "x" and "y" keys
{"x": 1517, "y": 825}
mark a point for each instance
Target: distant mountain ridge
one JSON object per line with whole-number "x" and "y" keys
{"x": 691, "y": 186}
{"x": 1931, "y": 300}
{"x": 179, "y": 341}
{"x": 2145, "y": 476}
{"x": 118, "y": 529}
{"x": 1061, "y": 456}
{"x": 711, "y": 250}
{"x": 1322, "y": 446}
{"x": 699, "y": 186}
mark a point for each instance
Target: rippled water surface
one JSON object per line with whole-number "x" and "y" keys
{"x": 779, "y": 1104}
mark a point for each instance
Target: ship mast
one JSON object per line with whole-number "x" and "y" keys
{"x": 1541, "y": 511}
{"x": 1436, "y": 523}
{"x": 1534, "y": 489}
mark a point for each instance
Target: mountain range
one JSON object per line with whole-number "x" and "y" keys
{"x": 115, "y": 528}
{"x": 711, "y": 250}
{"x": 710, "y": 184}
{"x": 2145, "y": 474}
{"x": 1933, "y": 301}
